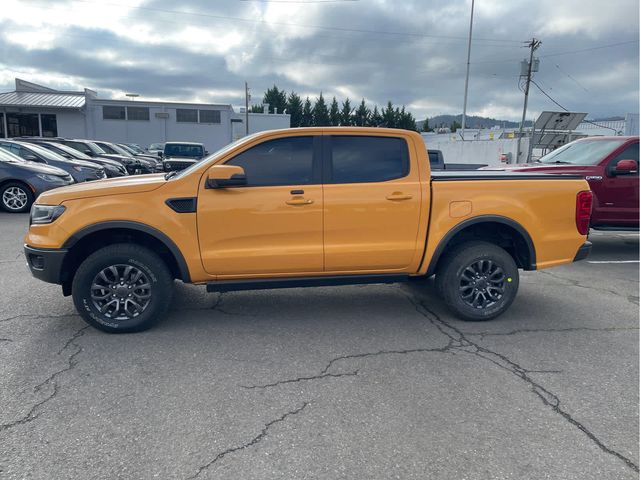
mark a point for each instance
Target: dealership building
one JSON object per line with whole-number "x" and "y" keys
{"x": 36, "y": 110}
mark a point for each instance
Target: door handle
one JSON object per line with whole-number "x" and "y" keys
{"x": 395, "y": 196}
{"x": 299, "y": 201}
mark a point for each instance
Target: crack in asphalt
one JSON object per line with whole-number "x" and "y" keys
{"x": 575, "y": 283}
{"x": 72, "y": 361}
{"x": 502, "y": 361}
{"x": 30, "y": 315}
{"x": 302, "y": 379}
{"x": 255, "y": 440}
{"x": 550, "y": 330}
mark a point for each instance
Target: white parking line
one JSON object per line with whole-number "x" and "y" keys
{"x": 613, "y": 261}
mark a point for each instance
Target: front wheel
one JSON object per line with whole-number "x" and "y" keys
{"x": 122, "y": 288}
{"x": 16, "y": 197}
{"x": 477, "y": 280}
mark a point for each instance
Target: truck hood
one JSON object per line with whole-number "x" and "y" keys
{"x": 559, "y": 168}
{"x": 99, "y": 188}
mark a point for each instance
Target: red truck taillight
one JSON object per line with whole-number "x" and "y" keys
{"x": 584, "y": 202}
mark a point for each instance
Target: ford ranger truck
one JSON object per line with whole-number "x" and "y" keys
{"x": 300, "y": 208}
{"x": 610, "y": 165}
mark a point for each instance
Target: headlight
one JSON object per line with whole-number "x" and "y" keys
{"x": 41, "y": 214}
{"x": 50, "y": 178}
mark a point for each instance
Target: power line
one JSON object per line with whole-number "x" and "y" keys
{"x": 298, "y": 25}
{"x": 557, "y": 54}
{"x": 566, "y": 109}
{"x": 574, "y": 80}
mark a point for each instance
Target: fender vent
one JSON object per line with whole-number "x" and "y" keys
{"x": 183, "y": 205}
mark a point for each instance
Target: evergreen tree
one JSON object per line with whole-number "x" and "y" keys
{"x": 361, "y": 116}
{"x": 389, "y": 116}
{"x": 406, "y": 120}
{"x": 376, "y": 118}
{"x": 455, "y": 126}
{"x": 294, "y": 108}
{"x": 307, "y": 114}
{"x": 345, "y": 114}
{"x": 255, "y": 108}
{"x": 276, "y": 99}
{"x": 320, "y": 113}
{"x": 426, "y": 127}
{"x": 334, "y": 113}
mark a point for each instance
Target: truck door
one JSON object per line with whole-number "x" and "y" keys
{"x": 372, "y": 200}
{"x": 618, "y": 196}
{"x": 273, "y": 224}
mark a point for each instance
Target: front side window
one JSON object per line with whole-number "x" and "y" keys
{"x": 113, "y": 113}
{"x": 284, "y": 161}
{"x": 137, "y": 113}
{"x": 186, "y": 115}
{"x": 360, "y": 159}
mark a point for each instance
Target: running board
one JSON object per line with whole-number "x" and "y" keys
{"x": 328, "y": 281}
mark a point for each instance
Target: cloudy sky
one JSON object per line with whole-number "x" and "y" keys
{"x": 411, "y": 52}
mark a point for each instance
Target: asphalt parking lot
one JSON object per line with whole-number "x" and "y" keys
{"x": 371, "y": 382}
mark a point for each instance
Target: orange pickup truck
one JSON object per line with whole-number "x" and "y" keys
{"x": 304, "y": 207}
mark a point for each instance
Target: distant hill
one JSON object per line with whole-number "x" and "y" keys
{"x": 473, "y": 121}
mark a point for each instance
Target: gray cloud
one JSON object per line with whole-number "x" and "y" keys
{"x": 410, "y": 52}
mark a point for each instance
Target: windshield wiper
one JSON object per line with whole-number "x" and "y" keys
{"x": 170, "y": 174}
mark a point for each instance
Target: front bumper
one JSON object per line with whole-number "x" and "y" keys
{"x": 583, "y": 251}
{"x": 46, "y": 264}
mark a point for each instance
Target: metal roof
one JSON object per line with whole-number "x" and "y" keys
{"x": 38, "y": 99}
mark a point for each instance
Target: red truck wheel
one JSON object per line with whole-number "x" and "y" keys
{"x": 477, "y": 280}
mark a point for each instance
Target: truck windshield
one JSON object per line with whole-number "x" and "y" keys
{"x": 183, "y": 150}
{"x": 582, "y": 152}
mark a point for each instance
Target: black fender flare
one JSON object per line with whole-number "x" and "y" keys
{"x": 484, "y": 219}
{"x": 140, "y": 227}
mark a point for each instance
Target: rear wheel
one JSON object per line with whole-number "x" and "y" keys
{"x": 122, "y": 288}
{"x": 16, "y": 197}
{"x": 477, "y": 280}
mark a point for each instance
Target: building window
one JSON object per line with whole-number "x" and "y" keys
{"x": 186, "y": 115}
{"x": 49, "y": 125}
{"x": 22, "y": 124}
{"x": 138, "y": 113}
{"x": 2, "y": 132}
{"x": 209, "y": 116}
{"x": 113, "y": 113}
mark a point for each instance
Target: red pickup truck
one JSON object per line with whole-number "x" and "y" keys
{"x": 610, "y": 165}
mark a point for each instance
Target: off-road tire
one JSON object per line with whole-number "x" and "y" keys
{"x": 458, "y": 264}
{"x": 154, "y": 272}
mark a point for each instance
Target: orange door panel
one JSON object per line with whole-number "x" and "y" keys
{"x": 273, "y": 225}
{"x": 257, "y": 230}
{"x": 370, "y": 225}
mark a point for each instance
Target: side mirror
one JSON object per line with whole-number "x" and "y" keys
{"x": 32, "y": 158}
{"x": 625, "y": 167}
{"x": 89, "y": 152}
{"x": 221, "y": 176}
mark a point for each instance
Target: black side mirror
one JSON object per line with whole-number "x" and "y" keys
{"x": 236, "y": 180}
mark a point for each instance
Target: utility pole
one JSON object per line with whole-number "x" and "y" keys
{"x": 466, "y": 82}
{"x": 246, "y": 108}
{"x": 533, "y": 45}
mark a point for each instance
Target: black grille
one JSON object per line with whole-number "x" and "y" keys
{"x": 176, "y": 165}
{"x": 183, "y": 205}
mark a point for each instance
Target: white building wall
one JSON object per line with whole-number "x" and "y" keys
{"x": 474, "y": 151}
{"x": 71, "y": 124}
{"x": 259, "y": 122}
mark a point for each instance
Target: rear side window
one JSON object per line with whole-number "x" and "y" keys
{"x": 360, "y": 159}
{"x": 284, "y": 161}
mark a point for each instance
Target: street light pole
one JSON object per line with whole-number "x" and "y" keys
{"x": 246, "y": 108}
{"x": 466, "y": 82}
